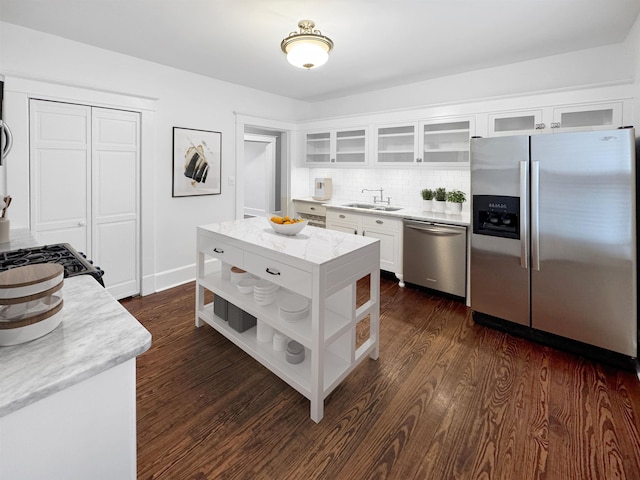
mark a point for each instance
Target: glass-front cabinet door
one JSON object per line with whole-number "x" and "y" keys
{"x": 318, "y": 147}
{"x": 397, "y": 144}
{"x": 351, "y": 146}
{"x": 446, "y": 141}
{"x": 587, "y": 117}
{"x": 336, "y": 147}
{"x": 526, "y": 122}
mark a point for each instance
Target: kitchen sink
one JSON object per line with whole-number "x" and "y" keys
{"x": 359, "y": 205}
{"x": 387, "y": 208}
{"x": 368, "y": 206}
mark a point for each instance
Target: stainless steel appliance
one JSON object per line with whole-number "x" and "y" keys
{"x": 553, "y": 248}
{"x": 435, "y": 256}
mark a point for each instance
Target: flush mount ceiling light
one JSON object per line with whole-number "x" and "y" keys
{"x": 307, "y": 48}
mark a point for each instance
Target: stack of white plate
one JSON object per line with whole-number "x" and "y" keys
{"x": 292, "y": 307}
{"x": 264, "y": 292}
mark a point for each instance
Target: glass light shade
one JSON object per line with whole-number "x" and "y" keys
{"x": 307, "y": 53}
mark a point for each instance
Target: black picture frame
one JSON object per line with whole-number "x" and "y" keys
{"x": 197, "y": 162}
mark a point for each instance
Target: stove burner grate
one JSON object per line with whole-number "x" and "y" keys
{"x": 73, "y": 262}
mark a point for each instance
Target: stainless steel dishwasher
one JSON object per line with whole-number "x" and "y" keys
{"x": 435, "y": 256}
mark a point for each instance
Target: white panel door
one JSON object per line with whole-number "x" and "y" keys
{"x": 115, "y": 203}
{"x": 60, "y": 173}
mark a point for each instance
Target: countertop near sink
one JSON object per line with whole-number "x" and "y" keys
{"x": 409, "y": 213}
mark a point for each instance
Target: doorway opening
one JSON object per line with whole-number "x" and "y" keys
{"x": 261, "y": 190}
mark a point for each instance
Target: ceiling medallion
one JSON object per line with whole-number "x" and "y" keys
{"x": 307, "y": 48}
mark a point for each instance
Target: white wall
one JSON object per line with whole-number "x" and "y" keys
{"x": 181, "y": 99}
{"x": 598, "y": 66}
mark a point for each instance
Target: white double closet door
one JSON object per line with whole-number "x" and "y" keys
{"x": 84, "y": 186}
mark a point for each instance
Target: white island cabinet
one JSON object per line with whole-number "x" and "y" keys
{"x": 323, "y": 266}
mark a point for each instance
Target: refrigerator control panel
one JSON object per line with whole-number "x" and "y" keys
{"x": 496, "y": 216}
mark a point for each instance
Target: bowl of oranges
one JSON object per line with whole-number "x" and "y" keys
{"x": 286, "y": 225}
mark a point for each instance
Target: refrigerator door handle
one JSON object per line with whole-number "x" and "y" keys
{"x": 535, "y": 201}
{"x": 524, "y": 235}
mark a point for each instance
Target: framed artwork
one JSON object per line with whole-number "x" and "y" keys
{"x": 197, "y": 162}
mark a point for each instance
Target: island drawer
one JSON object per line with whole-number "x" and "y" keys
{"x": 221, "y": 250}
{"x": 279, "y": 273}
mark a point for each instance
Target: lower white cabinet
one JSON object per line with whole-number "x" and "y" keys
{"x": 383, "y": 227}
{"x": 320, "y": 265}
{"x": 313, "y": 212}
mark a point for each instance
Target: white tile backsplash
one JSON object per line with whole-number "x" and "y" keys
{"x": 403, "y": 185}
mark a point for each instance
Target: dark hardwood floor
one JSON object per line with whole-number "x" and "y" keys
{"x": 447, "y": 399}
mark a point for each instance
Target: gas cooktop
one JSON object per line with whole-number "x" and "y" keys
{"x": 74, "y": 262}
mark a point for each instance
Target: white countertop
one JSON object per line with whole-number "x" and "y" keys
{"x": 313, "y": 244}
{"x": 19, "y": 238}
{"x": 410, "y": 213}
{"x": 96, "y": 334}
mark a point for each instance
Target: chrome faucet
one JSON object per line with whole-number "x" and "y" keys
{"x": 375, "y": 197}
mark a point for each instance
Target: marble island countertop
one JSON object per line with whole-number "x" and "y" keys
{"x": 409, "y": 213}
{"x": 96, "y": 334}
{"x": 313, "y": 245}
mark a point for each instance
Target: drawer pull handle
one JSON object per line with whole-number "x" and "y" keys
{"x": 272, "y": 272}
{"x": 217, "y": 250}
{"x": 379, "y": 222}
{"x": 312, "y": 208}
{"x": 342, "y": 216}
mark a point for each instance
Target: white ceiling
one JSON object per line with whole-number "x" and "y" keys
{"x": 378, "y": 43}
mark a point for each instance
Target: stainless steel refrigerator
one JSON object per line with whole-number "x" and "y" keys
{"x": 554, "y": 247}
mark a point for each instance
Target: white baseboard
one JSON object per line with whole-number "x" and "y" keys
{"x": 179, "y": 276}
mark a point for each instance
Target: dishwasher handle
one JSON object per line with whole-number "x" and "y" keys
{"x": 436, "y": 230}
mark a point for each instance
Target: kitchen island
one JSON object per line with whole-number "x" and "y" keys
{"x": 321, "y": 265}
{"x": 68, "y": 399}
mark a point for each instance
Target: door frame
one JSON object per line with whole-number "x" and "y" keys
{"x": 289, "y": 134}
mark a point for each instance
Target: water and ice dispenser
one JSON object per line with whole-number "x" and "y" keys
{"x": 496, "y": 216}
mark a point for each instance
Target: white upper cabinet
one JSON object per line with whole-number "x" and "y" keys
{"x": 446, "y": 141}
{"x": 336, "y": 147}
{"x": 526, "y": 122}
{"x": 318, "y": 147}
{"x": 587, "y": 117}
{"x": 433, "y": 142}
{"x": 602, "y": 116}
{"x": 397, "y": 144}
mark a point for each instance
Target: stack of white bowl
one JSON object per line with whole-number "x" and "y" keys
{"x": 246, "y": 285}
{"x": 236, "y": 274}
{"x": 264, "y": 292}
{"x": 292, "y": 307}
